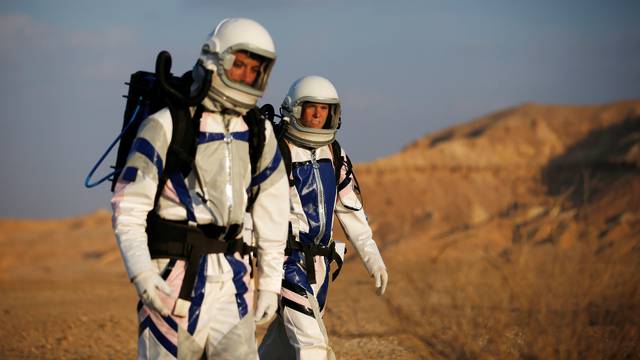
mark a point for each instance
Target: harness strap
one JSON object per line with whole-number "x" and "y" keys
{"x": 312, "y": 250}
{"x": 178, "y": 240}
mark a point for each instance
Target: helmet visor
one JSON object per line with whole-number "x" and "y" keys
{"x": 318, "y": 114}
{"x": 246, "y": 69}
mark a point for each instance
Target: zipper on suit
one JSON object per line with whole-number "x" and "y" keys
{"x": 321, "y": 207}
{"x": 228, "y": 189}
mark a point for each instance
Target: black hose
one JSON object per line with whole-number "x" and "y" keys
{"x": 267, "y": 112}
{"x": 163, "y": 71}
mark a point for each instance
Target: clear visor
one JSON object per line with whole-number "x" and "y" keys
{"x": 246, "y": 69}
{"x": 318, "y": 114}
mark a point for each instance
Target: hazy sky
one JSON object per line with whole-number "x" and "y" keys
{"x": 403, "y": 68}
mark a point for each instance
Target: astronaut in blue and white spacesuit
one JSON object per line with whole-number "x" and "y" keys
{"x": 321, "y": 184}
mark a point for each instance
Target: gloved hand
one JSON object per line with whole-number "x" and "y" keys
{"x": 266, "y": 306}
{"x": 147, "y": 284}
{"x": 381, "y": 277}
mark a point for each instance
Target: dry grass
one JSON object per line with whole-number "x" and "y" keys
{"x": 540, "y": 302}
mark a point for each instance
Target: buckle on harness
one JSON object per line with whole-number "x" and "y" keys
{"x": 189, "y": 241}
{"x": 310, "y": 251}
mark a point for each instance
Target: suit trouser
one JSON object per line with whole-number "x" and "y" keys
{"x": 298, "y": 331}
{"x": 220, "y": 322}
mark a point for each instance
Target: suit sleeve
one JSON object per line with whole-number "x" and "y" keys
{"x": 350, "y": 213}
{"x": 135, "y": 191}
{"x": 270, "y": 214}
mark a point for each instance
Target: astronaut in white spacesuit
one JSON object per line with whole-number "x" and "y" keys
{"x": 183, "y": 247}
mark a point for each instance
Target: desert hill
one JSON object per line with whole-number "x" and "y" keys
{"x": 515, "y": 235}
{"x": 518, "y": 156}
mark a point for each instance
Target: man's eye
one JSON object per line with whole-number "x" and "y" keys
{"x": 238, "y": 64}
{"x": 255, "y": 69}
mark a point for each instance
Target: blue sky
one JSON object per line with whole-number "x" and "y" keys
{"x": 403, "y": 69}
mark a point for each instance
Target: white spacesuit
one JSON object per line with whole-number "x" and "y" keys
{"x": 322, "y": 184}
{"x": 196, "y": 301}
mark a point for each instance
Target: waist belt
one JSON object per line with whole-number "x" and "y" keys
{"x": 311, "y": 250}
{"x": 178, "y": 240}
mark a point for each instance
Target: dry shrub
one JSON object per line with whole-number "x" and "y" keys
{"x": 535, "y": 302}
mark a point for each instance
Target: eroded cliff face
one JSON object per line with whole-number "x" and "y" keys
{"x": 522, "y": 163}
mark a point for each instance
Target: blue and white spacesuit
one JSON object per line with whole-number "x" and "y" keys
{"x": 321, "y": 184}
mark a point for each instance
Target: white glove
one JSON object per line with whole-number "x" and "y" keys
{"x": 266, "y": 307}
{"x": 147, "y": 284}
{"x": 381, "y": 276}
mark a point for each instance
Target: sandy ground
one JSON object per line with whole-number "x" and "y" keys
{"x": 512, "y": 256}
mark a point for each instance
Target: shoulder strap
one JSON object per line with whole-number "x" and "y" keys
{"x": 285, "y": 152}
{"x": 182, "y": 147}
{"x": 256, "y": 122}
{"x": 338, "y": 162}
{"x": 279, "y": 130}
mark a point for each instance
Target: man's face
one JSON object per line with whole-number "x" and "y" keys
{"x": 314, "y": 115}
{"x": 244, "y": 69}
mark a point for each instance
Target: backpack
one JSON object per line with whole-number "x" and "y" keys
{"x": 151, "y": 92}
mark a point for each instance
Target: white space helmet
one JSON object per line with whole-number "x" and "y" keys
{"x": 218, "y": 55}
{"x": 314, "y": 89}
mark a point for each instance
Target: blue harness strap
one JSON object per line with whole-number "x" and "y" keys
{"x": 144, "y": 147}
{"x": 183, "y": 194}
{"x": 267, "y": 171}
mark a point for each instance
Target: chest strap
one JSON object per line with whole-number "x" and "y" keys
{"x": 178, "y": 240}
{"x": 312, "y": 250}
